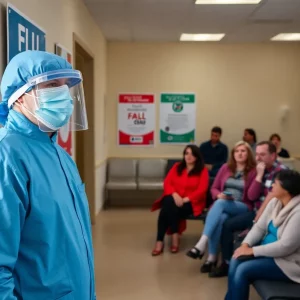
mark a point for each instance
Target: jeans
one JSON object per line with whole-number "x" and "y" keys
{"x": 170, "y": 215}
{"x": 243, "y": 273}
{"x": 220, "y": 211}
{"x": 230, "y": 226}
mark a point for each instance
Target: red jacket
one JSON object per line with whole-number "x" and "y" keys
{"x": 194, "y": 187}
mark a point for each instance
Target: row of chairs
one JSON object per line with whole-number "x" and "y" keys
{"x": 131, "y": 174}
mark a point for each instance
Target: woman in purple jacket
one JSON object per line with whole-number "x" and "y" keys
{"x": 235, "y": 190}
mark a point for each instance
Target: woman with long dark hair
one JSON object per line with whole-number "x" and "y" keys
{"x": 184, "y": 194}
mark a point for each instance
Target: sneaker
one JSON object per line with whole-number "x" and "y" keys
{"x": 221, "y": 271}
{"x": 208, "y": 266}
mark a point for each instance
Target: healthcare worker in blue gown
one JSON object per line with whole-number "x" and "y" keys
{"x": 46, "y": 248}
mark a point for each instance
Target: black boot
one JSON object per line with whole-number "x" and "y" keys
{"x": 208, "y": 266}
{"x": 194, "y": 253}
{"x": 221, "y": 271}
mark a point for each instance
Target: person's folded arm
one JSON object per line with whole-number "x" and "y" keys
{"x": 201, "y": 190}
{"x": 254, "y": 189}
{"x": 13, "y": 203}
{"x": 286, "y": 245}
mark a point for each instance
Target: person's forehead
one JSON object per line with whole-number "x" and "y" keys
{"x": 241, "y": 147}
{"x": 262, "y": 148}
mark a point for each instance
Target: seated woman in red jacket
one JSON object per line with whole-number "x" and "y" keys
{"x": 184, "y": 194}
{"x": 235, "y": 189}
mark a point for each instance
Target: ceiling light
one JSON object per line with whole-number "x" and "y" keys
{"x": 286, "y": 37}
{"x": 228, "y": 1}
{"x": 203, "y": 37}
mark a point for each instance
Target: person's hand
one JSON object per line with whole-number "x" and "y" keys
{"x": 260, "y": 170}
{"x": 209, "y": 167}
{"x": 224, "y": 197}
{"x": 178, "y": 200}
{"x": 244, "y": 250}
{"x": 186, "y": 199}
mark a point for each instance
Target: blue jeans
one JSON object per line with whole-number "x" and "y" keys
{"x": 220, "y": 211}
{"x": 243, "y": 273}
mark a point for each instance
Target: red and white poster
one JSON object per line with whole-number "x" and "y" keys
{"x": 136, "y": 114}
{"x": 64, "y": 137}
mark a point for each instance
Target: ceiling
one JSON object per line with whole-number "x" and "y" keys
{"x": 165, "y": 20}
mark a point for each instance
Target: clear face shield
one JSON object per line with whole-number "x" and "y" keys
{"x": 58, "y": 100}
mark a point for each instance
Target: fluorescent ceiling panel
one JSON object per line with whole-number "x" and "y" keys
{"x": 228, "y": 1}
{"x": 286, "y": 37}
{"x": 202, "y": 37}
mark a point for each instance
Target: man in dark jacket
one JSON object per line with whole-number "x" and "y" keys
{"x": 214, "y": 152}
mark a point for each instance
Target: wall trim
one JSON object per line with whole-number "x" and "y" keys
{"x": 99, "y": 163}
{"x": 148, "y": 156}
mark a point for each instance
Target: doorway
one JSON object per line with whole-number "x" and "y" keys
{"x": 84, "y": 140}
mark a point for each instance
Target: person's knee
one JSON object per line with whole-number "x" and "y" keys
{"x": 243, "y": 272}
{"x": 168, "y": 202}
{"x": 220, "y": 202}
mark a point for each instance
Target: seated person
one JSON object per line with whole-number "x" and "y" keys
{"x": 184, "y": 194}
{"x": 271, "y": 250}
{"x": 267, "y": 168}
{"x": 234, "y": 189}
{"x": 250, "y": 138}
{"x": 276, "y": 140}
{"x": 214, "y": 152}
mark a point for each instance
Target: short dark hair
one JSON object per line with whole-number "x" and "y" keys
{"x": 289, "y": 181}
{"x": 275, "y": 135}
{"x": 252, "y": 133}
{"x": 217, "y": 129}
{"x": 271, "y": 147}
{"x": 199, "y": 164}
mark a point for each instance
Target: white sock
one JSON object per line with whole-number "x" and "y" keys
{"x": 201, "y": 245}
{"x": 212, "y": 258}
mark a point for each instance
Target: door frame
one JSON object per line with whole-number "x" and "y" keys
{"x": 89, "y": 137}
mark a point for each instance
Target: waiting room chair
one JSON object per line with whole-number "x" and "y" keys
{"x": 151, "y": 173}
{"x": 277, "y": 290}
{"x": 121, "y": 174}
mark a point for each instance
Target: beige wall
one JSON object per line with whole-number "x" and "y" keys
{"x": 60, "y": 19}
{"x": 236, "y": 86}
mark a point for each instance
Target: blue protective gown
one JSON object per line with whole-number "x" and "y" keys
{"x": 45, "y": 234}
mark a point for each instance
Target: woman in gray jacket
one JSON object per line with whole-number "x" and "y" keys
{"x": 271, "y": 250}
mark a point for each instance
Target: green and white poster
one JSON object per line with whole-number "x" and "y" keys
{"x": 177, "y": 118}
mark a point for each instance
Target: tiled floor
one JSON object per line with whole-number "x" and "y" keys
{"x": 125, "y": 270}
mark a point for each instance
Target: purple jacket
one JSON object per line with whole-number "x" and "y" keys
{"x": 252, "y": 189}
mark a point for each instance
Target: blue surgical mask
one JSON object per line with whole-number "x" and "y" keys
{"x": 55, "y": 106}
